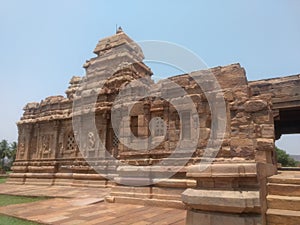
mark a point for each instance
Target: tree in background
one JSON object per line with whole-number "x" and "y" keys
{"x": 4, "y": 153}
{"x": 7, "y": 154}
{"x": 13, "y": 149}
{"x": 285, "y": 159}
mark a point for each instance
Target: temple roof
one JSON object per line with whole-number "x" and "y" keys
{"x": 113, "y": 41}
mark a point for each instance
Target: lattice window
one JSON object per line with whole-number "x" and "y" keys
{"x": 71, "y": 142}
{"x": 115, "y": 141}
{"x": 159, "y": 126}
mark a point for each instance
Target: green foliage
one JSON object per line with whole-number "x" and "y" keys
{"x": 7, "y": 152}
{"x": 11, "y": 220}
{"x": 13, "y": 149}
{"x": 285, "y": 159}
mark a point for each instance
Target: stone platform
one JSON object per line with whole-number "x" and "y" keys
{"x": 70, "y": 206}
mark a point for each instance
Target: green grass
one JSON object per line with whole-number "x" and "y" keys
{"x": 11, "y": 200}
{"x": 2, "y": 180}
{"x": 7, "y": 220}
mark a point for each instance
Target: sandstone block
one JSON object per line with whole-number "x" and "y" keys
{"x": 222, "y": 201}
{"x": 267, "y": 130}
{"x": 265, "y": 144}
{"x": 241, "y": 142}
{"x": 204, "y": 218}
{"x": 255, "y": 105}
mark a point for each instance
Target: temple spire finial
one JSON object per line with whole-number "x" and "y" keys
{"x": 119, "y": 30}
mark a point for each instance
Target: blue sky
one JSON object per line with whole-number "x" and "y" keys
{"x": 44, "y": 43}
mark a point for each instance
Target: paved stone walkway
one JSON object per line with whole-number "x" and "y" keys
{"x": 74, "y": 205}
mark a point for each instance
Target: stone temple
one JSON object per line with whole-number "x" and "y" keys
{"x": 90, "y": 137}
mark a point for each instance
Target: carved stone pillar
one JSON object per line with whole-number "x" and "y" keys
{"x": 27, "y": 129}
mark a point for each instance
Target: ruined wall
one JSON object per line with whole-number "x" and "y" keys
{"x": 285, "y": 93}
{"x": 234, "y": 185}
{"x": 283, "y": 90}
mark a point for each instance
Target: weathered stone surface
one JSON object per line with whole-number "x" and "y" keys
{"x": 284, "y": 202}
{"x": 222, "y": 201}
{"x": 282, "y": 217}
{"x": 284, "y": 189}
{"x": 285, "y": 95}
{"x": 203, "y": 218}
{"x": 254, "y": 106}
{"x": 267, "y": 131}
{"x": 283, "y": 198}
{"x": 223, "y": 170}
{"x": 265, "y": 144}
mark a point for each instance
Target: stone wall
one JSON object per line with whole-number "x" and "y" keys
{"x": 285, "y": 93}
{"x": 62, "y": 139}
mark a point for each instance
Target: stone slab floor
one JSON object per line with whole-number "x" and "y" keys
{"x": 77, "y": 205}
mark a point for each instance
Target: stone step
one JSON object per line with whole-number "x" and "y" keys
{"x": 154, "y": 190}
{"x": 12, "y": 180}
{"x": 146, "y": 196}
{"x": 168, "y": 183}
{"x": 39, "y": 181}
{"x": 164, "y": 193}
{"x": 90, "y": 183}
{"x": 284, "y": 189}
{"x": 286, "y": 177}
{"x": 223, "y": 201}
{"x": 61, "y": 182}
{"x": 284, "y": 202}
{"x": 149, "y": 202}
{"x": 283, "y": 217}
